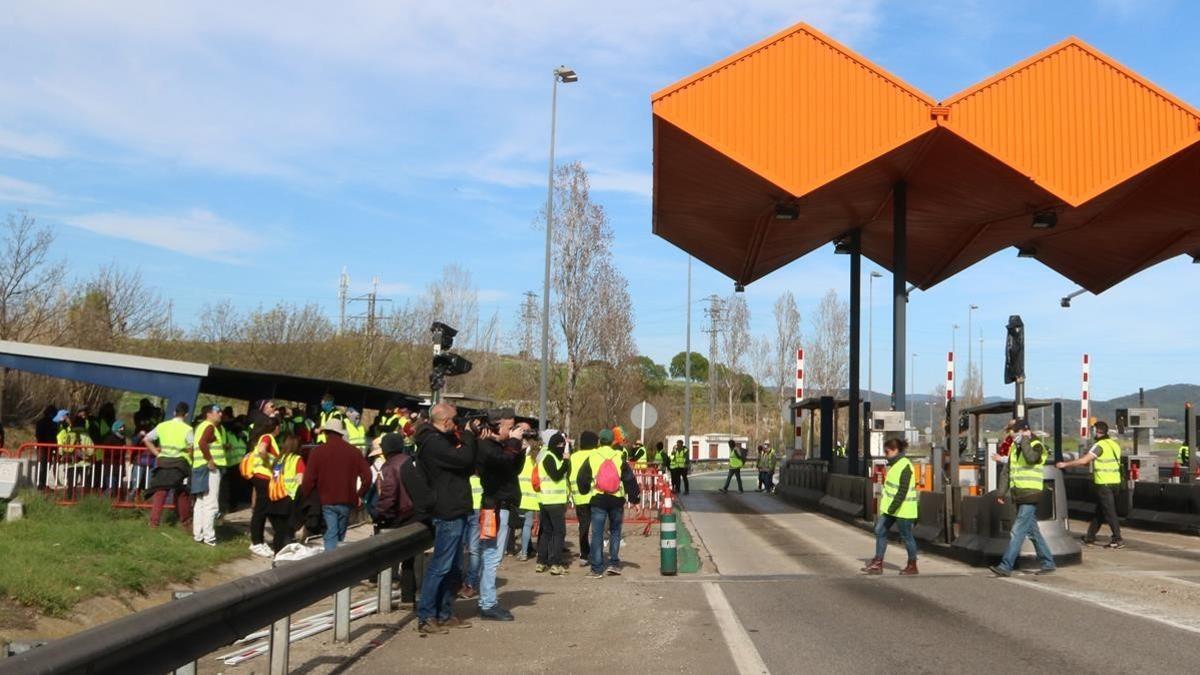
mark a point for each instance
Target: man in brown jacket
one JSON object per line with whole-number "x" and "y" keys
{"x": 340, "y": 475}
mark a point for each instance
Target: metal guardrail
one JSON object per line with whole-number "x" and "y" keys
{"x": 176, "y": 634}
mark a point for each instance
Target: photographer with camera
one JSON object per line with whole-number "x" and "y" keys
{"x": 447, "y": 460}
{"x": 500, "y": 458}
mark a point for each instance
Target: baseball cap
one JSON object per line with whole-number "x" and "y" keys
{"x": 62, "y": 415}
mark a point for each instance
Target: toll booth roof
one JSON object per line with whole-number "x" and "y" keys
{"x": 793, "y": 142}
{"x": 186, "y": 380}
{"x": 814, "y": 403}
{"x": 1005, "y": 407}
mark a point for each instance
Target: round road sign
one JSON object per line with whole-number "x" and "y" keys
{"x": 643, "y": 415}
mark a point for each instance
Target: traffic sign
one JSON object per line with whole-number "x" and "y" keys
{"x": 643, "y": 415}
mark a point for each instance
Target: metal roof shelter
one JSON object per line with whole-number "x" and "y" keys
{"x": 185, "y": 380}
{"x": 797, "y": 141}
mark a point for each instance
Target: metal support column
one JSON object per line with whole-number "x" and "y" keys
{"x": 1189, "y": 439}
{"x": 385, "y": 590}
{"x": 866, "y": 438}
{"x": 341, "y": 616}
{"x": 899, "y": 293}
{"x": 852, "y": 424}
{"x": 827, "y": 405}
{"x": 277, "y": 647}
{"x": 1058, "y": 437}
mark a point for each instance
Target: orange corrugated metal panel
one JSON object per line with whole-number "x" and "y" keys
{"x": 798, "y": 108}
{"x": 1073, "y": 120}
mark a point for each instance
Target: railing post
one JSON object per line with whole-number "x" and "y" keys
{"x": 385, "y": 590}
{"x": 277, "y": 648}
{"x": 341, "y": 615}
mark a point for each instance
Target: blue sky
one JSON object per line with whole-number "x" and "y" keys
{"x": 250, "y": 154}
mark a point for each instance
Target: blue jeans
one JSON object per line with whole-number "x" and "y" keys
{"x": 493, "y": 551}
{"x": 527, "y": 530}
{"x": 443, "y": 573}
{"x": 614, "y": 516}
{"x": 473, "y": 558}
{"x": 1026, "y": 525}
{"x": 337, "y": 517}
{"x": 883, "y": 524}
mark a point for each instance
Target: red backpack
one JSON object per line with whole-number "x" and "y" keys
{"x": 608, "y": 478}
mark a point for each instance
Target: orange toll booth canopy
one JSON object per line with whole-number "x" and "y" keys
{"x": 796, "y": 141}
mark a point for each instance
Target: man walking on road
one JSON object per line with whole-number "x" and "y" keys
{"x": 897, "y": 505}
{"x": 448, "y": 459}
{"x": 1026, "y": 480}
{"x": 340, "y": 475}
{"x": 1105, "y": 458}
{"x": 737, "y": 457}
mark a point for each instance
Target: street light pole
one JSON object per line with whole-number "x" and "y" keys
{"x": 912, "y": 387}
{"x": 871, "y": 335}
{"x": 687, "y": 368}
{"x": 954, "y": 348}
{"x": 970, "y": 311}
{"x": 566, "y": 76}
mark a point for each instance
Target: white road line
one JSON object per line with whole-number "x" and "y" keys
{"x": 1110, "y": 603}
{"x": 741, "y": 647}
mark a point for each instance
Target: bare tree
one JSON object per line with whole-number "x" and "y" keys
{"x": 827, "y": 360}
{"x": 735, "y": 342}
{"x": 762, "y": 362}
{"x": 582, "y": 256}
{"x": 972, "y": 388}
{"x": 616, "y": 349}
{"x": 453, "y": 299}
{"x": 787, "y": 341}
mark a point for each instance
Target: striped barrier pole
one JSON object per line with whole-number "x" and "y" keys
{"x": 668, "y": 558}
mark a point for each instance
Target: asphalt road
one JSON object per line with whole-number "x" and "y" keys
{"x": 791, "y": 583}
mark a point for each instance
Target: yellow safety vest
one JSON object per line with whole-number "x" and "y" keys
{"x": 476, "y": 493}
{"x": 891, "y": 488}
{"x": 172, "y": 439}
{"x": 577, "y": 459}
{"x": 216, "y": 448}
{"x": 735, "y": 461}
{"x": 639, "y": 458}
{"x": 597, "y": 458}
{"x": 529, "y": 498}
{"x": 553, "y": 491}
{"x": 1027, "y": 476}
{"x": 291, "y": 478}
{"x": 679, "y": 458}
{"x": 1106, "y": 469}
{"x": 235, "y": 449}
{"x": 326, "y": 416}
{"x": 356, "y": 435}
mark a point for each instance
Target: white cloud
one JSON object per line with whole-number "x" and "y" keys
{"x": 197, "y": 233}
{"x": 15, "y": 144}
{"x": 22, "y": 192}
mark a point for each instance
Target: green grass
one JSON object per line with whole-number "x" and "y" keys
{"x": 57, "y": 556}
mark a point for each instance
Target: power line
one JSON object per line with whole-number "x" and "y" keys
{"x": 371, "y": 317}
{"x": 715, "y": 313}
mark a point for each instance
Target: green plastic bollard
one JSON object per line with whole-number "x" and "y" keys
{"x": 667, "y": 553}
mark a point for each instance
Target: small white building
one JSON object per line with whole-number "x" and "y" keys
{"x": 713, "y": 447}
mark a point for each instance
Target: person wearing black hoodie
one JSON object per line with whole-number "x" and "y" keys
{"x": 500, "y": 459}
{"x": 447, "y": 458}
{"x": 399, "y": 478}
{"x": 553, "y": 495}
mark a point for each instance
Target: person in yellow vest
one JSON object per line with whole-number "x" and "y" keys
{"x": 1185, "y": 455}
{"x": 208, "y": 462}
{"x": 76, "y": 452}
{"x": 737, "y": 459}
{"x": 233, "y": 485}
{"x": 171, "y": 443}
{"x": 530, "y": 506}
{"x": 898, "y": 506}
{"x": 679, "y": 468}
{"x": 553, "y": 473}
{"x": 1105, "y": 458}
{"x": 262, "y": 459}
{"x": 582, "y": 500}
{"x": 1026, "y": 481}
{"x": 613, "y": 482}
{"x": 637, "y": 457}
{"x": 291, "y": 476}
{"x": 328, "y": 412}
{"x": 474, "y": 557}
{"x": 356, "y": 433}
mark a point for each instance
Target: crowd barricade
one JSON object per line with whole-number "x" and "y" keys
{"x": 119, "y": 472}
{"x": 652, "y": 484}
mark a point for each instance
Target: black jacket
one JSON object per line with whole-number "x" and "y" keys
{"x": 399, "y": 471}
{"x": 500, "y": 466}
{"x": 447, "y": 460}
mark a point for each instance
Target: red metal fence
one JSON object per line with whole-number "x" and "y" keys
{"x": 120, "y": 472}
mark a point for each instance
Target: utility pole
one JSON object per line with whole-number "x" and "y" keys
{"x": 529, "y": 317}
{"x": 371, "y": 317}
{"x": 343, "y": 293}
{"x": 687, "y": 368}
{"x": 714, "y": 312}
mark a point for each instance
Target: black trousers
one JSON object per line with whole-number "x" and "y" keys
{"x": 278, "y": 513}
{"x": 679, "y": 476}
{"x": 584, "y": 514}
{"x": 733, "y": 473}
{"x": 1106, "y": 512}
{"x": 553, "y": 534}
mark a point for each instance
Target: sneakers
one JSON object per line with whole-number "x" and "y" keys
{"x": 496, "y": 613}
{"x": 1087, "y": 542}
{"x": 454, "y": 622}
{"x": 559, "y": 570}
{"x": 540, "y": 568}
{"x": 1045, "y": 571}
{"x": 262, "y": 550}
{"x": 1115, "y": 544}
{"x": 595, "y": 575}
{"x": 210, "y": 542}
{"x": 522, "y": 558}
{"x": 583, "y": 562}
{"x": 1000, "y": 571}
{"x": 613, "y": 571}
{"x": 723, "y": 491}
{"x": 430, "y": 628}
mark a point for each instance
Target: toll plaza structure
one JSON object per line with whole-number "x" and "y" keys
{"x": 797, "y": 141}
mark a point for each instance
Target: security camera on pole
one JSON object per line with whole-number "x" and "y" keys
{"x": 445, "y": 364}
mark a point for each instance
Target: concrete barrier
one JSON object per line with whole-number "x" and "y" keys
{"x": 985, "y": 527}
{"x": 931, "y": 517}
{"x": 804, "y": 482}
{"x": 844, "y": 496}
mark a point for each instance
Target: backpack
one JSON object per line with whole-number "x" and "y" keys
{"x": 404, "y": 505}
{"x": 246, "y": 466}
{"x": 535, "y": 481}
{"x": 608, "y": 479}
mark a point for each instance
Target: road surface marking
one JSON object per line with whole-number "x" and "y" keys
{"x": 741, "y": 647}
{"x": 1110, "y": 603}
